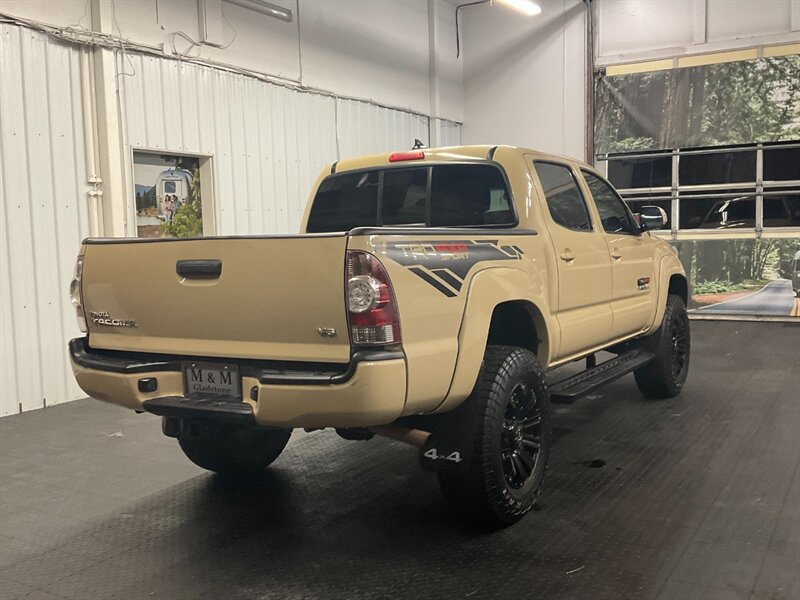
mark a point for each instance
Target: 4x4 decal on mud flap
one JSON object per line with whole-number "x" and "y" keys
{"x": 445, "y": 264}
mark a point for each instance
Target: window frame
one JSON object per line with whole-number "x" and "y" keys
{"x": 683, "y": 195}
{"x": 429, "y": 166}
{"x": 208, "y": 180}
{"x": 573, "y": 174}
{"x": 631, "y": 219}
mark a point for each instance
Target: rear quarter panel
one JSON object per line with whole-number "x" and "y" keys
{"x": 433, "y": 279}
{"x": 444, "y": 335}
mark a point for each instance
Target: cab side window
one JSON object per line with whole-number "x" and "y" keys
{"x": 563, "y": 196}
{"x": 614, "y": 214}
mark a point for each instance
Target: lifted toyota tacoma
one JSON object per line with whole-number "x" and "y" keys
{"x": 430, "y": 298}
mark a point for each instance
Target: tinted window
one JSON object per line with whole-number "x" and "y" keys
{"x": 345, "y": 201}
{"x": 723, "y": 167}
{"x": 614, "y": 215}
{"x": 564, "y": 199}
{"x": 469, "y": 195}
{"x": 782, "y": 211}
{"x": 404, "y": 193}
{"x": 721, "y": 213}
{"x": 461, "y": 195}
{"x": 781, "y": 164}
{"x": 645, "y": 172}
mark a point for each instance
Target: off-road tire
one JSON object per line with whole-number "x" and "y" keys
{"x": 481, "y": 492}
{"x": 665, "y": 375}
{"x": 231, "y": 450}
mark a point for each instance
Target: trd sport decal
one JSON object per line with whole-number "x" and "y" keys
{"x": 444, "y": 265}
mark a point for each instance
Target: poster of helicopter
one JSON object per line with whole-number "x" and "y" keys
{"x": 168, "y": 195}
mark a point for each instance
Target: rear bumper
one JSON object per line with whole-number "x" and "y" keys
{"x": 370, "y": 390}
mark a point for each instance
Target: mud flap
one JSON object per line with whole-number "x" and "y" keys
{"x": 451, "y": 445}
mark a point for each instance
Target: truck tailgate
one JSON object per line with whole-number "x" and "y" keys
{"x": 269, "y": 300}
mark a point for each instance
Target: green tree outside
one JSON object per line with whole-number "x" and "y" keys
{"x": 188, "y": 219}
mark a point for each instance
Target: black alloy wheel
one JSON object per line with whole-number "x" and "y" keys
{"x": 511, "y": 442}
{"x": 670, "y": 345}
{"x": 680, "y": 344}
{"x": 521, "y": 436}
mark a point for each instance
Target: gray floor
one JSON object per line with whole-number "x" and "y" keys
{"x": 698, "y": 497}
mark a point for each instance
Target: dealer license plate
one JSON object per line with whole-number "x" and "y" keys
{"x": 211, "y": 379}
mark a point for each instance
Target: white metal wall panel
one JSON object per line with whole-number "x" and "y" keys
{"x": 268, "y": 143}
{"x": 43, "y": 218}
{"x": 449, "y": 133}
{"x": 368, "y": 129}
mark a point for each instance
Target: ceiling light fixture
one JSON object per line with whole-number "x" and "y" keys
{"x": 265, "y": 8}
{"x": 526, "y": 7}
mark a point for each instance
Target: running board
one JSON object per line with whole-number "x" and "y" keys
{"x": 572, "y": 388}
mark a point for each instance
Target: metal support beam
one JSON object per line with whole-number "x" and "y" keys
{"x": 109, "y": 125}
{"x": 433, "y": 74}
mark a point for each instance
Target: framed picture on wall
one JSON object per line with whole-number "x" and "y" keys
{"x": 169, "y": 195}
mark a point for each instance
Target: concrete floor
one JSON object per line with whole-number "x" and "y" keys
{"x": 694, "y": 498}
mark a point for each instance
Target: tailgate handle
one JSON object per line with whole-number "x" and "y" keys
{"x": 199, "y": 269}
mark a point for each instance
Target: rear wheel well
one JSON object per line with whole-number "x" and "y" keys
{"x": 519, "y": 323}
{"x": 679, "y": 287}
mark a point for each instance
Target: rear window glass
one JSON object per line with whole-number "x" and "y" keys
{"x": 456, "y": 196}
{"x": 404, "y": 196}
{"x": 469, "y": 195}
{"x": 344, "y": 202}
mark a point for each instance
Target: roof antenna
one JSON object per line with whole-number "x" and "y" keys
{"x": 418, "y": 144}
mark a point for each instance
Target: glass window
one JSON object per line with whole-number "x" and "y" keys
{"x": 644, "y": 172}
{"x": 781, "y": 164}
{"x": 345, "y": 201}
{"x": 720, "y": 168}
{"x": 782, "y": 211}
{"x": 718, "y": 213}
{"x": 564, "y": 199}
{"x": 469, "y": 195}
{"x": 404, "y": 193}
{"x": 169, "y": 187}
{"x": 614, "y": 215}
{"x": 461, "y": 195}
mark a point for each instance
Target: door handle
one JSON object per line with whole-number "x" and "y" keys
{"x": 567, "y": 256}
{"x": 199, "y": 269}
{"x": 615, "y": 254}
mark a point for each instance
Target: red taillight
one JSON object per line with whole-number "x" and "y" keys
{"x": 412, "y": 155}
{"x": 371, "y": 306}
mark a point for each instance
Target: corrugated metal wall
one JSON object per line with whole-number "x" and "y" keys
{"x": 43, "y": 218}
{"x": 368, "y": 129}
{"x": 449, "y": 133}
{"x": 268, "y": 143}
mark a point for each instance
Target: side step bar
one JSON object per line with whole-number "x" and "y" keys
{"x": 572, "y": 388}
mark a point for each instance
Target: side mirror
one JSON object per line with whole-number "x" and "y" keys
{"x": 652, "y": 217}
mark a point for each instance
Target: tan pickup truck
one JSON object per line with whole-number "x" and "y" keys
{"x": 430, "y": 298}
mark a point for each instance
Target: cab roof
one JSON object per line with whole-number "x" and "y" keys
{"x": 448, "y": 153}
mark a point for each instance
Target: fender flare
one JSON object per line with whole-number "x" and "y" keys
{"x": 489, "y": 288}
{"x": 670, "y": 266}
